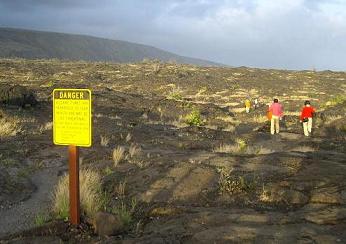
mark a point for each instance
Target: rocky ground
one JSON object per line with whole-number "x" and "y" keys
{"x": 224, "y": 180}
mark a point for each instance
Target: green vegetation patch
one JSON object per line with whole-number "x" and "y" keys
{"x": 175, "y": 95}
{"x": 125, "y": 211}
{"x": 339, "y": 99}
{"x": 40, "y": 220}
{"x": 194, "y": 118}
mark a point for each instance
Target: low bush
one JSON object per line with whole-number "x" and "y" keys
{"x": 194, "y": 118}
{"x": 175, "y": 94}
{"x": 40, "y": 219}
{"x": 125, "y": 211}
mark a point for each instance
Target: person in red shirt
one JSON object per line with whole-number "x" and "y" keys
{"x": 306, "y": 117}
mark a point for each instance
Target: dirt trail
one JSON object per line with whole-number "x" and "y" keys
{"x": 286, "y": 142}
{"x": 22, "y": 215}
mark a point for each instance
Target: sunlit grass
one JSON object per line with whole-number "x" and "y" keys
{"x": 9, "y": 127}
{"x": 118, "y": 155}
{"x": 91, "y": 197}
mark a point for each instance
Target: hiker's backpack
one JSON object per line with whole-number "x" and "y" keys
{"x": 269, "y": 115}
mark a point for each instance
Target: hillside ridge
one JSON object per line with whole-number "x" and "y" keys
{"x": 33, "y": 44}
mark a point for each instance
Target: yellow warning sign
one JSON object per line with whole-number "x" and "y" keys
{"x": 72, "y": 117}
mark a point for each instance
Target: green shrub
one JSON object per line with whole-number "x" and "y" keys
{"x": 125, "y": 211}
{"x": 107, "y": 171}
{"x": 242, "y": 144}
{"x": 194, "y": 118}
{"x": 50, "y": 83}
{"x": 40, "y": 219}
{"x": 175, "y": 94}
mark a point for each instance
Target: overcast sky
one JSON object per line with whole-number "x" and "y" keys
{"x": 289, "y": 34}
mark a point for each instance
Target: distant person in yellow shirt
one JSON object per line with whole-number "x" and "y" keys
{"x": 247, "y": 105}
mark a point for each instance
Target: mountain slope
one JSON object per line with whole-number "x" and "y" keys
{"x": 38, "y": 44}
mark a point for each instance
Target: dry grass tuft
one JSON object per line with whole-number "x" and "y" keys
{"x": 260, "y": 118}
{"x": 201, "y": 91}
{"x": 228, "y": 119}
{"x": 232, "y": 184}
{"x": 140, "y": 163}
{"x": 237, "y": 110}
{"x": 175, "y": 94}
{"x": 177, "y": 123}
{"x": 125, "y": 211}
{"x": 265, "y": 195}
{"x": 46, "y": 126}
{"x": 118, "y": 155}
{"x": 104, "y": 141}
{"x": 9, "y": 127}
{"x": 226, "y": 148}
{"x": 229, "y": 128}
{"x": 241, "y": 146}
{"x": 91, "y": 197}
{"x": 128, "y": 137}
{"x": 123, "y": 208}
{"x": 332, "y": 118}
{"x": 121, "y": 189}
{"x": 257, "y": 150}
{"x": 292, "y": 113}
{"x": 211, "y": 127}
{"x": 134, "y": 150}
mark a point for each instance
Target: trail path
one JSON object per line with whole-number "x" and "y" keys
{"x": 21, "y": 216}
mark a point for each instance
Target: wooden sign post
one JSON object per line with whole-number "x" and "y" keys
{"x": 73, "y": 152}
{"x": 72, "y": 127}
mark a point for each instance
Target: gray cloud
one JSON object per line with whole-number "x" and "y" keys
{"x": 293, "y": 34}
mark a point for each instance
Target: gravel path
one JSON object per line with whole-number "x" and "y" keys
{"x": 22, "y": 215}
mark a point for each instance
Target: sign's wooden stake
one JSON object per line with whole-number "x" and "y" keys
{"x": 74, "y": 184}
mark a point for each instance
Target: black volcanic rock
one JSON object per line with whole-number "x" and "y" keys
{"x": 16, "y": 95}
